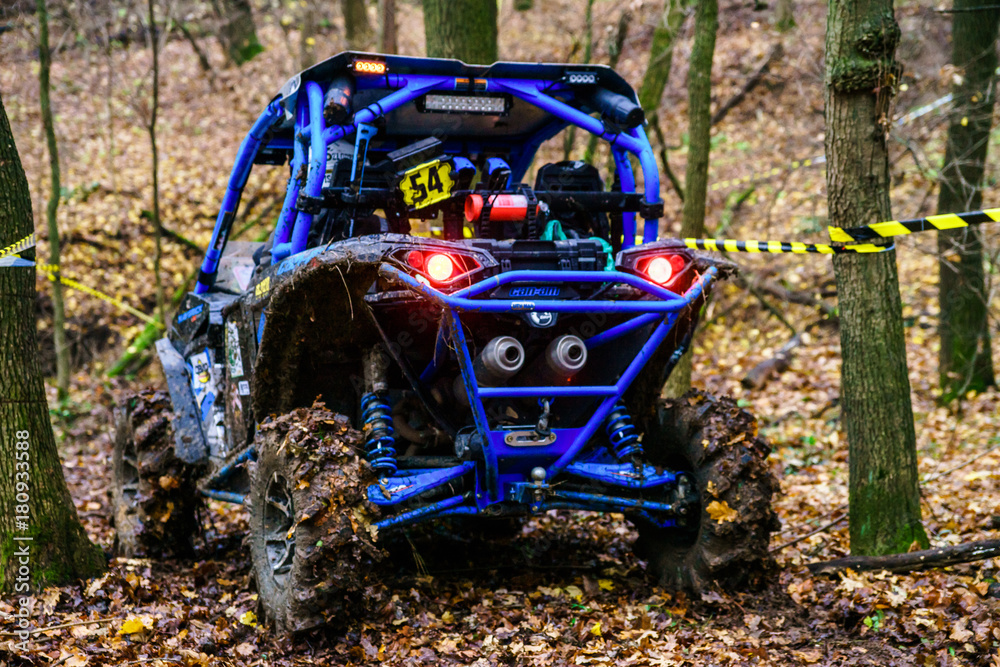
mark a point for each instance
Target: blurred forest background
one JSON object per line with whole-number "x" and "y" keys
{"x": 770, "y": 338}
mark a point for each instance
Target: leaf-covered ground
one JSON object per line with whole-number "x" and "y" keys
{"x": 567, "y": 590}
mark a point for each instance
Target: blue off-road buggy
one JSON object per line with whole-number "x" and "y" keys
{"x": 349, "y": 377}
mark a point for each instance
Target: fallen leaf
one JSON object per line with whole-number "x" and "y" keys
{"x": 959, "y": 632}
{"x": 721, "y": 512}
{"x": 136, "y": 624}
{"x": 249, "y": 618}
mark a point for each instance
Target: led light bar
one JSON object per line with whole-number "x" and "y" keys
{"x": 369, "y": 67}
{"x": 476, "y": 104}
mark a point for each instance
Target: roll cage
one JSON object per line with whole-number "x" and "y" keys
{"x": 390, "y": 114}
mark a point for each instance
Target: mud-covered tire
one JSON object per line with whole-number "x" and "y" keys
{"x": 312, "y": 542}
{"x": 727, "y": 544}
{"x": 153, "y": 494}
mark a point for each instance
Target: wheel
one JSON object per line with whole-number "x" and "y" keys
{"x": 312, "y": 542}
{"x": 726, "y": 538}
{"x": 153, "y": 492}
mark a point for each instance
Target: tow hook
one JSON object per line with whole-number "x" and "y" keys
{"x": 538, "y": 485}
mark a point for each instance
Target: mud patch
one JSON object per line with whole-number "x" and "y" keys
{"x": 314, "y": 457}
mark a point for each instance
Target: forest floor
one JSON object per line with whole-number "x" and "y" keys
{"x": 568, "y": 589}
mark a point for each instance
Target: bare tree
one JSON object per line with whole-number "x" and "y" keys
{"x": 966, "y": 359}
{"x": 387, "y": 42}
{"x": 58, "y": 305}
{"x": 706, "y": 25}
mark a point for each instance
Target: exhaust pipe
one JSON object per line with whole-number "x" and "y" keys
{"x": 566, "y": 356}
{"x": 500, "y": 360}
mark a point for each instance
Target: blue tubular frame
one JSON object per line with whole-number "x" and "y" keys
{"x": 308, "y": 114}
{"x": 231, "y": 200}
{"x": 657, "y": 307}
{"x": 665, "y": 308}
{"x": 292, "y": 231}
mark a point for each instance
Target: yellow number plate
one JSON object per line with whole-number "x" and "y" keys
{"x": 427, "y": 184}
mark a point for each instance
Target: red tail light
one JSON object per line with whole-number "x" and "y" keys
{"x": 661, "y": 269}
{"x": 439, "y": 268}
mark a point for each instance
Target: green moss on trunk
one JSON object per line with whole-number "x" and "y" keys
{"x": 875, "y": 388}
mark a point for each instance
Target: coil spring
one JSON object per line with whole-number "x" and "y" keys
{"x": 621, "y": 432}
{"x": 380, "y": 439}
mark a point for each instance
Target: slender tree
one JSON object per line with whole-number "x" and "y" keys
{"x": 154, "y": 109}
{"x": 966, "y": 356}
{"x": 58, "y": 307}
{"x": 706, "y": 25}
{"x": 615, "y": 47}
{"x": 307, "y": 34}
{"x": 661, "y": 55}
{"x": 356, "y": 25}
{"x": 861, "y": 73}
{"x": 387, "y": 42}
{"x": 237, "y": 31}
{"x": 569, "y": 139}
{"x": 463, "y": 29}
{"x": 38, "y": 507}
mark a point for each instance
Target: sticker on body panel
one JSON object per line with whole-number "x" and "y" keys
{"x": 234, "y": 358}
{"x": 201, "y": 382}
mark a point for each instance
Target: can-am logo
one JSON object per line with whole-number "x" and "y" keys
{"x": 534, "y": 291}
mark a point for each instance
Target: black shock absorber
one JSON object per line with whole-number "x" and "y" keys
{"x": 621, "y": 432}
{"x": 380, "y": 439}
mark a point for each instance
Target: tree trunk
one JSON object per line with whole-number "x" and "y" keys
{"x": 41, "y": 540}
{"x": 356, "y": 25}
{"x": 307, "y": 34}
{"x": 569, "y": 138}
{"x": 154, "y": 109}
{"x": 615, "y": 46}
{"x": 965, "y": 362}
{"x": 387, "y": 42}
{"x": 861, "y": 71}
{"x": 462, "y": 29}
{"x": 661, "y": 55}
{"x": 706, "y": 24}
{"x": 784, "y": 16}
{"x": 237, "y": 31}
{"x": 58, "y": 307}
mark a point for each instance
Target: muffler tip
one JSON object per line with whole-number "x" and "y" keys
{"x": 501, "y": 359}
{"x": 567, "y": 355}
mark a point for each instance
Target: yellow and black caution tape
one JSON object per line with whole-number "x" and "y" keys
{"x": 53, "y": 273}
{"x": 729, "y": 245}
{"x": 19, "y": 247}
{"x": 880, "y": 230}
